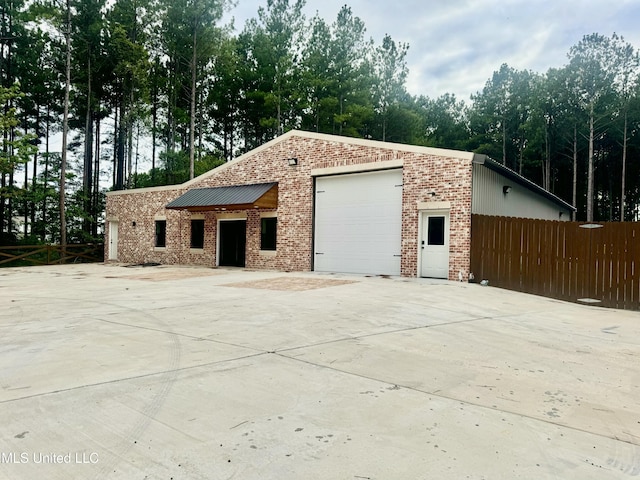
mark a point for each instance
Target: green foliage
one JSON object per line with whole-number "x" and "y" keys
{"x": 444, "y": 122}
{"x": 44, "y": 196}
{"x": 15, "y": 147}
{"x": 390, "y": 74}
{"x": 170, "y": 71}
{"x": 175, "y": 170}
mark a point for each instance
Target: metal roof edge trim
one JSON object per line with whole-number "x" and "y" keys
{"x": 441, "y": 152}
{"x": 162, "y": 188}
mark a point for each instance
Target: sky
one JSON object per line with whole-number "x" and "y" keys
{"x": 456, "y": 45}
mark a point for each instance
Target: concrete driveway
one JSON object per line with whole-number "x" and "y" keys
{"x": 193, "y": 373}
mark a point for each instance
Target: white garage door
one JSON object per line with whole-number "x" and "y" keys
{"x": 358, "y": 223}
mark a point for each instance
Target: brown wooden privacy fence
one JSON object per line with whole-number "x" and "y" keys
{"x": 595, "y": 263}
{"x": 21, "y": 255}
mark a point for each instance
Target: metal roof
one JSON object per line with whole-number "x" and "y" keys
{"x": 516, "y": 177}
{"x": 208, "y": 198}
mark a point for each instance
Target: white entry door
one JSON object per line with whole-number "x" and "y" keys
{"x": 113, "y": 240}
{"x": 435, "y": 245}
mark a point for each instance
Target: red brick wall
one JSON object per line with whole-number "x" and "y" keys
{"x": 430, "y": 178}
{"x": 448, "y": 177}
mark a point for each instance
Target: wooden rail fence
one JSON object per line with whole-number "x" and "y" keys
{"x": 21, "y": 255}
{"x": 596, "y": 263}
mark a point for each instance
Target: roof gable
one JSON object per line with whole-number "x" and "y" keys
{"x": 323, "y": 137}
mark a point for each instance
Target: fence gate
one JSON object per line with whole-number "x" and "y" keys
{"x": 595, "y": 263}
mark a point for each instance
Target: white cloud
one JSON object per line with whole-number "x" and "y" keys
{"x": 456, "y": 45}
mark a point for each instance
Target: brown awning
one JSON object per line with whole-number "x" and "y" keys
{"x": 236, "y": 197}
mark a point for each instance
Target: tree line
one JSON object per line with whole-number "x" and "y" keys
{"x": 130, "y": 83}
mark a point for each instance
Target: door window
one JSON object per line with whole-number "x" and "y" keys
{"x": 436, "y": 231}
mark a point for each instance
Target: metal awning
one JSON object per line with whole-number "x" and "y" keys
{"x": 237, "y": 197}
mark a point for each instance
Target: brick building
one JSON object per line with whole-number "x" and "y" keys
{"x": 308, "y": 201}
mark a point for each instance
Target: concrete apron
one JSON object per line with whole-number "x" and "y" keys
{"x": 193, "y": 373}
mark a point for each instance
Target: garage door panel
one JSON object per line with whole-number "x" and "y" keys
{"x": 358, "y": 223}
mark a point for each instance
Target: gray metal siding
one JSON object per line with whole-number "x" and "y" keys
{"x": 488, "y": 198}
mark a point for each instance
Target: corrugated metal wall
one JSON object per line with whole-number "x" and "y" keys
{"x": 489, "y": 199}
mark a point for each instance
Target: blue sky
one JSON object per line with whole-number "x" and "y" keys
{"x": 456, "y": 45}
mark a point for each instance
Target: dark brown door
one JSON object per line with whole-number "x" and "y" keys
{"x": 233, "y": 241}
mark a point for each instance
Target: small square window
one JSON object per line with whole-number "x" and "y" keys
{"x": 436, "y": 231}
{"x": 161, "y": 233}
{"x": 197, "y": 233}
{"x": 268, "y": 229}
